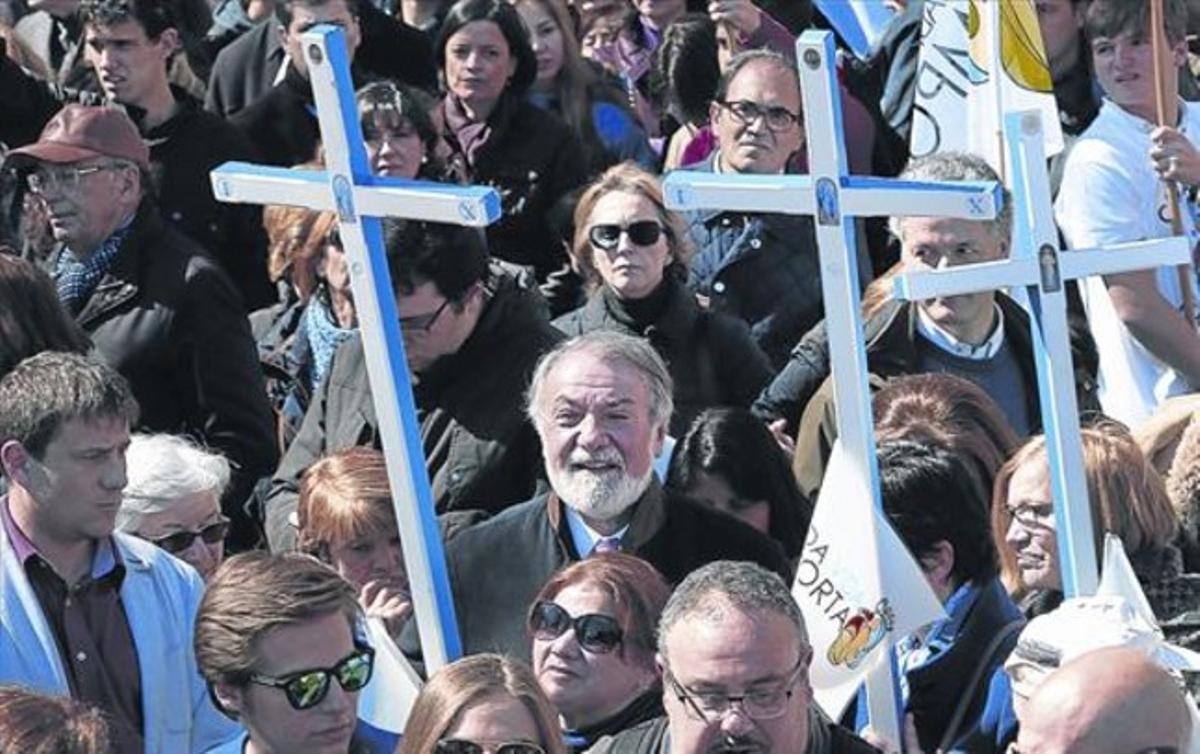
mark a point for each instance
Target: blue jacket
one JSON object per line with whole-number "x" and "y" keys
{"x": 160, "y": 595}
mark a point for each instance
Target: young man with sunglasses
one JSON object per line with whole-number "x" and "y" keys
{"x": 734, "y": 656}
{"x": 98, "y": 615}
{"x": 473, "y": 331}
{"x": 280, "y": 641}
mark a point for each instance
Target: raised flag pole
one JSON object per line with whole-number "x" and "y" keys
{"x": 1037, "y": 264}
{"x": 1166, "y": 112}
{"x": 836, "y": 199}
{"x": 360, "y": 199}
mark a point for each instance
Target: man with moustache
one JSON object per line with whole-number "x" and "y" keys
{"x": 734, "y": 655}
{"x": 600, "y": 403}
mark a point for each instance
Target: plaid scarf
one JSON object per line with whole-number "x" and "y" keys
{"x": 76, "y": 280}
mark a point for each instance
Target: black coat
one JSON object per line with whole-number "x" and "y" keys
{"x": 497, "y": 567}
{"x": 282, "y": 123}
{"x": 167, "y": 318}
{"x": 246, "y": 68}
{"x": 712, "y": 359}
{"x": 532, "y": 159}
{"x": 480, "y": 450}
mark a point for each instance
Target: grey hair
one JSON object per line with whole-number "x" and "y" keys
{"x": 713, "y": 591}
{"x": 958, "y": 166}
{"x": 163, "y": 468}
{"x": 610, "y": 347}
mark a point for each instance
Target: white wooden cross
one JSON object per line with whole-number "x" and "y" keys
{"x": 1037, "y": 265}
{"x": 837, "y": 198}
{"x": 359, "y": 198}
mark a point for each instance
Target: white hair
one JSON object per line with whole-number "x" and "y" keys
{"x": 163, "y": 468}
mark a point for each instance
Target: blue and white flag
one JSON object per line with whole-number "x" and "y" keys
{"x": 859, "y": 23}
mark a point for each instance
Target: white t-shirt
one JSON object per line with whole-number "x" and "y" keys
{"x": 1110, "y": 194}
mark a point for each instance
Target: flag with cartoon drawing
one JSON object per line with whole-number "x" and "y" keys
{"x": 856, "y": 602}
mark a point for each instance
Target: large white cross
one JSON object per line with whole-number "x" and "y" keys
{"x": 359, "y": 198}
{"x": 837, "y": 198}
{"x": 1037, "y": 265}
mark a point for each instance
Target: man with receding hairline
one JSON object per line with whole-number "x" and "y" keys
{"x": 1111, "y": 701}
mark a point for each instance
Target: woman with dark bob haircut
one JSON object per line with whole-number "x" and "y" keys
{"x": 592, "y": 627}
{"x": 499, "y": 138}
{"x": 730, "y": 460}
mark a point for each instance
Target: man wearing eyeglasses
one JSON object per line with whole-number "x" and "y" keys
{"x": 473, "y": 331}
{"x": 157, "y": 308}
{"x": 760, "y": 267}
{"x": 104, "y": 617}
{"x": 279, "y": 639}
{"x": 1110, "y": 701}
{"x": 734, "y": 656}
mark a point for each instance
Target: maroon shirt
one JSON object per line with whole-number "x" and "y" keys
{"x": 91, "y": 630}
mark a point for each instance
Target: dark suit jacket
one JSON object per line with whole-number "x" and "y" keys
{"x": 247, "y": 67}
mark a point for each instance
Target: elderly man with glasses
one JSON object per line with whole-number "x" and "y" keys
{"x": 734, "y": 656}
{"x": 157, "y": 307}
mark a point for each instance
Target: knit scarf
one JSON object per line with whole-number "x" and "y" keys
{"x": 77, "y": 280}
{"x": 324, "y": 337}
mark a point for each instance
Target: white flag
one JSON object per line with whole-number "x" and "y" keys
{"x": 387, "y": 700}
{"x": 980, "y": 59}
{"x": 854, "y": 601}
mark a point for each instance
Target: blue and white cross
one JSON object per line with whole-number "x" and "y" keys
{"x": 1037, "y": 265}
{"x": 359, "y": 198}
{"x": 836, "y": 199}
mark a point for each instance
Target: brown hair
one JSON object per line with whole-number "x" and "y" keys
{"x": 1127, "y": 496}
{"x": 627, "y": 178}
{"x": 254, "y": 593}
{"x": 952, "y": 412}
{"x": 298, "y": 238}
{"x": 637, "y": 590}
{"x": 463, "y": 684}
{"x": 1112, "y": 18}
{"x": 344, "y": 496}
{"x": 32, "y": 723}
{"x": 32, "y": 318}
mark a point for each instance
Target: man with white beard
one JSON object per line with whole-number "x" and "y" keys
{"x": 601, "y": 403}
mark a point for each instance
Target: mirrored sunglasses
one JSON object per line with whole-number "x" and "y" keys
{"x": 307, "y": 688}
{"x": 461, "y": 746}
{"x": 599, "y": 634}
{"x": 641, "y": 233}
{"x": 181, "y": 540}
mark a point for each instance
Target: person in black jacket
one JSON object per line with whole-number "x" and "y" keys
{"x": 473, "y": 332}
{"x": 500, "y": 139}
{"x": 634, "y": 252}
{"x": 732, "y": 634}
{"x": 601, "y": 403}
{"x": 157, "y": 308}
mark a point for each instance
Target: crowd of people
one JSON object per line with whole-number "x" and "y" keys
{"x": 626, "y": 412}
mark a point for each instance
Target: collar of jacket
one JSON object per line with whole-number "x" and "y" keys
{"x": 712, "y": 216}
{"x": 649, "y": 516}
{"x": 677, "y": 319}
{"x": 185, "y": 108}
{"x": 120, "y": 283}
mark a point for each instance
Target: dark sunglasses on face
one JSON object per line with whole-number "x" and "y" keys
{"x": 641, "y": 233}
{"x": 306, "y": 688}
{"x": 459, "y": 746}
{"x": 598, "y": 634}
{"x": 181, "y": 540}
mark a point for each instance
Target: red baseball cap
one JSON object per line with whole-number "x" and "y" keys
{"x": 79, "y": 132}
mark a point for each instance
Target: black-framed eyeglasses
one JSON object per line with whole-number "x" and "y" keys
{"x": 67, "y": 179}
{"x": 598, "y": 634}
{"x": 306, "y": 688}
{"x": 423, "y": 322}
{"x": 759, "y": 704}
{"x": 641, "y": 233}
{"x": 462, "y": 746}
{"x": 777, "y": 118}
{"x": 181, "y": 540}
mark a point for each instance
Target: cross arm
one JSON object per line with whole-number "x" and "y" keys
{"x": 245, "y": 183}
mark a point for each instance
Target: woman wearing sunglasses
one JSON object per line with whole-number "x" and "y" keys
{"x": 173, "y": 499}
{"x": 592, "y": 627}
{"x": 482, "y": 704}
{"x": 633, "y": 253}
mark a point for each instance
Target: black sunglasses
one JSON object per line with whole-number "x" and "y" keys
{"x": 181, "y": 540}
{"x": 598, "y": 634}
{"x": 461, "y": 746}
{"x": 306, "y": 688}
{"x": 641, "y": 233}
